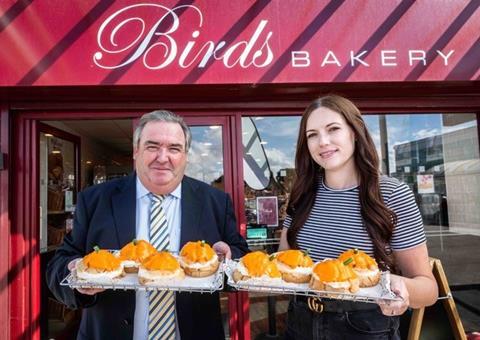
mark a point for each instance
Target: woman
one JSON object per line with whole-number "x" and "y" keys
{"x": 340, "y": 201}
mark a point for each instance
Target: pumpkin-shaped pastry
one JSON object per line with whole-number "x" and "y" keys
{"x": 160, "y": 267}
{"x": 99, "y": 266}
{"x": 256, "y": 264}
{"x": 134, "y": 253}
{"x": 294, "y": 265}
{"x": 363, "y": 265}
{"x": 334, "y": 275}
{"x": 198, "y": 259}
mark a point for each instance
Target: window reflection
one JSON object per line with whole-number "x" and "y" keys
{"x": 436, "y": 154}
{"x": 205, "y": 157}
{"x": 205, "y": 163}
{"x": 268, "y": 160}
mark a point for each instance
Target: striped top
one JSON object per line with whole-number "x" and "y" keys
{"x": 335, "y": 222}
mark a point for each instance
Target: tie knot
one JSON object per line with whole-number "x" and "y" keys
{"x": 158, "y": 199}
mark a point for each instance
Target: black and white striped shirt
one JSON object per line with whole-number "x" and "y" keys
{"x": 335, "y": 222}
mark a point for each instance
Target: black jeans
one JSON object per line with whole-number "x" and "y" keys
{"x": 370, "y": 324}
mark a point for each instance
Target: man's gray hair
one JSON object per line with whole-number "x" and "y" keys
{"x": 162, "y": 116}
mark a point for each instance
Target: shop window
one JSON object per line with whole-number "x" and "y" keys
{"x": 268, "y": 165}
{"x": 205, "y": 157}
{"x": 436, "y": 154}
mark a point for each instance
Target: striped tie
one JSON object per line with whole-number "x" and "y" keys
{"x": 161, "y": 314}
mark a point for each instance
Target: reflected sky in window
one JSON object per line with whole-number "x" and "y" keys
{"x": 205, "y": 157}
{"x": 280, "y": 135}
{"x": 405, "y": 128}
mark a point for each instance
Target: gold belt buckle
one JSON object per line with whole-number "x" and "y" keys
{"x": 315, "y": 304}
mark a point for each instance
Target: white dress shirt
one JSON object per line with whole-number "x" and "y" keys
{"x": 172, "y": 207}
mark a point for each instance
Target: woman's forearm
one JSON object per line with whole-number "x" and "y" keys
{"x": 423, "y": 291}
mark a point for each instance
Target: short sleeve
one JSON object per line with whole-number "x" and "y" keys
{"x": 287, "y": 222}
{"x": 409, "y": 231}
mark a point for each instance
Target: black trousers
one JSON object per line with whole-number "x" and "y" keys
{"x": 340, "y": 321}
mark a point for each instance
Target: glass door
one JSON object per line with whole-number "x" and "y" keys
{"x": 59, "y": 157}
{"x": 60, "y": 166}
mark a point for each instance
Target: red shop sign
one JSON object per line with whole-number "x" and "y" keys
{"x": 219, "y": 42}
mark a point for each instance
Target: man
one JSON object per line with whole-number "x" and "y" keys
{"x": 114, "y": 213}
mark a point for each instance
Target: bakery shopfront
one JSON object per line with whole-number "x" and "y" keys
{"x": 76, "y": 76}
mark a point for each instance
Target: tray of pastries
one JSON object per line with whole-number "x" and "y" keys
{"x": 139, "y": 266}
{"x": 354, "y": 275}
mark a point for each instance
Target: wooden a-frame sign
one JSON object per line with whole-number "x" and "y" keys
{"x": 415, "y": 331}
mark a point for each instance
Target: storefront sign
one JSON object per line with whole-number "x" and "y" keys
{"x": 180, "y": 42}
{"x": 267, "y": 210}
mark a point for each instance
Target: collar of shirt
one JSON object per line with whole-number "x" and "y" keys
{"x": 172, "y": 208}
{"x": 142, "y": 191}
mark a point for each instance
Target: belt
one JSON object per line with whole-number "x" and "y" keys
{"x": 319, "y": 305}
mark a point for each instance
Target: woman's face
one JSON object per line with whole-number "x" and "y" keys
{"x": 331, "y": 141}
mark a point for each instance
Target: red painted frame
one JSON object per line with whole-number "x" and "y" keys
{"x": 4, "y": 225}
{"x": 24, "y": 260}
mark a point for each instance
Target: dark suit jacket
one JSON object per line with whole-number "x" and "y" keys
{"x": 105, "y": 216}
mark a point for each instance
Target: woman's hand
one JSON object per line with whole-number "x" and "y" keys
{"x": 87, "y": 291}
{"x": 391, "y": 308}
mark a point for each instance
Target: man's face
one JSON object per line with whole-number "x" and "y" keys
{"x": 160, "y": 157}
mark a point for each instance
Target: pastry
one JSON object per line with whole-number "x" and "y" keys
{"x": 98, "y": 266}
{"x": 162, "y": 266}
{"x": 294, "y": 265}
{"x": 256, "y": 264}
{"x": 198, "y": 259}
{"x": 363, "y": 265}
{"x": 134, "y": 253}
{"x": 335, "y": 276}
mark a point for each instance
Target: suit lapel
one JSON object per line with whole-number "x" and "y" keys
{"x": 124, "y": 209}
{"x": 191, "y": 211}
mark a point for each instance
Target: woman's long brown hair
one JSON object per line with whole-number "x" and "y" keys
{"x": 379, "y": 220}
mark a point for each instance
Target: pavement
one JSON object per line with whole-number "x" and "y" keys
{"x": 468, "y": 305}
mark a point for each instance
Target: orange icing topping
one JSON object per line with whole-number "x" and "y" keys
{"x": 137, "y": 251}
{"x": 360, "y": 259}
{"x": 198, "y": 251}
{"x": 333, "y": 271}
{"x": 101, "y": 259}
{"x": 259, "y": 263}
{"x": 295, "y": 258}
{"x": 161, "y": 261}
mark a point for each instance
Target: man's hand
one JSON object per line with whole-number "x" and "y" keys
{"x": 221, "y": 248}
{"x": 87, "y": 291}
{"x": 390, "y": 308}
